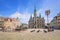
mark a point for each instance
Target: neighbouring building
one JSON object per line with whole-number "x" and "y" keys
{"x": 36, "y": 22}
{"x": 56, "y": 21}
{"x": 8, "y": 24}
{"x": 11, "y": 23}
{"x": 16, "y": 22}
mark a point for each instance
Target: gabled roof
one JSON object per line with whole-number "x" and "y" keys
{"x": 31, "y": 17}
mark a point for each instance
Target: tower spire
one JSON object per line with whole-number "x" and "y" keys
{"x": 35, "y": 11}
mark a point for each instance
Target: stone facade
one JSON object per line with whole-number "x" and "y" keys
{"x": 36, "y": 22}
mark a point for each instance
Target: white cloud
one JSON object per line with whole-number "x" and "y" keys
{"x": 24, "y": 17}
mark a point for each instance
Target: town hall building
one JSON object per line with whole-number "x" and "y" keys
{"x": 36, "y": 21}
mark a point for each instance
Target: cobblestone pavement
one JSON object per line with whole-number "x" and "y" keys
{"x": 27, "y": 35}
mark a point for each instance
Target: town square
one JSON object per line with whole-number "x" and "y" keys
{"x": 29, "y": 20}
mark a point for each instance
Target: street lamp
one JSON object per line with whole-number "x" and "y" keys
{"x": 47, "y": 12}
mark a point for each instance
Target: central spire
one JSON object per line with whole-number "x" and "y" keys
{"x": 35, "y": 12}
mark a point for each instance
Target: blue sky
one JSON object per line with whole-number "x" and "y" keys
{"x": 25, "y": 8}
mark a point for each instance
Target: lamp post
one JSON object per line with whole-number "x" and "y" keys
{"x": 47, "y": 12}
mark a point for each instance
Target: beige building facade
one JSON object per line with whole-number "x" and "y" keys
{"x": 11, "y": 23}
{"x": 56, "y": 21}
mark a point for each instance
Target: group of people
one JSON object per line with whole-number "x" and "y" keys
{"x": 50, "y": 29}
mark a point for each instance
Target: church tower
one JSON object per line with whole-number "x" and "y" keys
{"x": 35, "y": 16}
